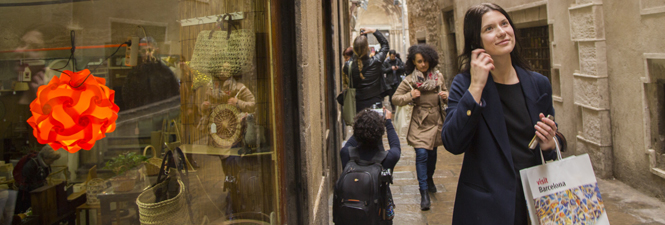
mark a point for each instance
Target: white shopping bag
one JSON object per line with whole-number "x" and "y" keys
{"x": 563, "y": 192}
{"x": 402, "y": 118}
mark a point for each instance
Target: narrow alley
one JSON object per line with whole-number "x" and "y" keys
{"x": 624, "y": 204}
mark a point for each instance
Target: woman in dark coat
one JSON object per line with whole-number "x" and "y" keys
{"x": 367, "y": 72}
{"x": 496, "y": 106}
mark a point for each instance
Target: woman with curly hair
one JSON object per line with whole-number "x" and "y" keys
{"x": 366, "y": 70}
{"x": 424, "y": 88}
{"x": 368, "y": 130}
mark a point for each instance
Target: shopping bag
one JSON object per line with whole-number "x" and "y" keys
{"x": 403, "y": 117}
{"x": 349, "y": 107}
{"x": 563, "y": 192}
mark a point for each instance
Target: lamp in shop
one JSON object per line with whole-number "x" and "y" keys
{"x": 73, "y": 111}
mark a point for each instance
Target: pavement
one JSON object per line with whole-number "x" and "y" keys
{"x": 624, "y": 204}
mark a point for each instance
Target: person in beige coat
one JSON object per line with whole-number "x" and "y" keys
{"x": 424, "y": 87}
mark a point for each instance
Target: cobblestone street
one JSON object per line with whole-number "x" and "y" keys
{"x": 624, "y": 204}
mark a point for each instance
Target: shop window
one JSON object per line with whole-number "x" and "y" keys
{"x": 536, "y": 48}
{"x": 203, "y": 85}
{"x": 654, "y": 92}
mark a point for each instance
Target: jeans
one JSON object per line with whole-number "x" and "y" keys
{"x": 425, "y": 165}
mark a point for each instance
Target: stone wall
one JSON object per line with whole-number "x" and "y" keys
{"x": 425, "y": 17}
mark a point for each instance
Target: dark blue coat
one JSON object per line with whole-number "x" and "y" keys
{"x": 488, "y": 182}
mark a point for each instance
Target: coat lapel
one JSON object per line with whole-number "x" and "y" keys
{"x": 493, "y": 115}
{"x": 531, "y": 94}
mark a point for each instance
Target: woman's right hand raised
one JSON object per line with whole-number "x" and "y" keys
{"x": 415, "y": 93}
{"x": 481, "y": 65}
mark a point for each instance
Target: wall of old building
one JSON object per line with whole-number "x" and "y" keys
{"x": 312, "y": 72}
{"x": 601, "y": 54}
{"x": 631, "y": 35}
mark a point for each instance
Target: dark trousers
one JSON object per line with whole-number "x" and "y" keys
{"x": 367, "y": 103}
{"x": 425, "y": 165}
{"x": 390, "y": 95}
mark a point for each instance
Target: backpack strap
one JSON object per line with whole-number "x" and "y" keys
{"x": 353, "y": 154}
{"x": 379, "y": 156}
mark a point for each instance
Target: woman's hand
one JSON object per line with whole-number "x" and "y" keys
{"x": 546, "y": 130}
{"x": 415, "y": 93}
{"x": 232, "y": 101}
{"x": 367, "y": 30}
{"x": 387, "y": 113}
{"x": 443, "y": 95}
{"x": 481, "y": 65}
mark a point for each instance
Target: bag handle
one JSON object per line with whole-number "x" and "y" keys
{"x": 558, "y": 151}
{"x": 349, "y": 74}
{"x": 145, "y": 150}
{"x": 220, "y": 24}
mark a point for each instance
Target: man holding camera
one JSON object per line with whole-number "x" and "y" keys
{"x": 393, "y": 68}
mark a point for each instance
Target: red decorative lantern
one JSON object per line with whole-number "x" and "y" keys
{"x": 73, "y": 111}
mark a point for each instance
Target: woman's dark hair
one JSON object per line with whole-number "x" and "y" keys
{"x": 428, "y": 53}
{"x": 391, "y": 52}
{"x": 348, "y": 52}
{"x": 368, "y": 127}
{"x": 473, "y": 21}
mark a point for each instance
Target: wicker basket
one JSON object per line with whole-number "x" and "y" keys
{"x": 152, "y": 167}
{"x": 169, "y": 211}
{"x": 229, "y": 125}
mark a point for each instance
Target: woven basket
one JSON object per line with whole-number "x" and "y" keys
{"x": 170, "y": 211}
{"x": 152, "y": 167}
{"x": 221, "y": 55}
{"x": 228, "y": 120}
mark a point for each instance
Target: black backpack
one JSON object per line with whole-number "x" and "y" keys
{"x": 360, "y": 195}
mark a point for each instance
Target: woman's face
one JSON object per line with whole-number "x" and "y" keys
{"x": 421, "y": 64}
{"x": 32, "y": 40}
{"x": 496, "y": 34}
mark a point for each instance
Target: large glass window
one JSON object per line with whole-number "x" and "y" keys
{"x": 188, "y": 76}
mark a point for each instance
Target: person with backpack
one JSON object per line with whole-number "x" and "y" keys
{"x": 30, "y": 173}
{"x": 362, "y": 193}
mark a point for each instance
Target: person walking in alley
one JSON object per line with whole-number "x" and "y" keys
{"x": 393, "y": 68}
{"x": 424, "y": 87}
{"x": 366, "y": 145}
{"x": 496, "y": 105}
{"x": 366, "y": 71}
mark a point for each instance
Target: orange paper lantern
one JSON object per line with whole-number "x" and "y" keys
{"x": 73, "y": 111}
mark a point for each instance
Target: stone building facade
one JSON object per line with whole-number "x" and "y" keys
{"x": 606, "y": 65}
{"x": 385, "y": 16}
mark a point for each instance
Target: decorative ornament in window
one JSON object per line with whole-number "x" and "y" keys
{"x": 73, "y": 111}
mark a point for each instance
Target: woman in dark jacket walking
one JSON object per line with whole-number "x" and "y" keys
{"x": 367, "y": 72}
{"x": 496, "y": 106}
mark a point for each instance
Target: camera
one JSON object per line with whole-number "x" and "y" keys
{"x": 386, "y": 176}
{"x": 378, "y": 108}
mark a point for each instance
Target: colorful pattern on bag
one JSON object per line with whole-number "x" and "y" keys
{"x": 580, "y": 205}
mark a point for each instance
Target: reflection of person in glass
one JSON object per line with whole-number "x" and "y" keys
{"x": 34, "y": 38}
{"x": 34, "y": 173}
{"x": 151, "y": 81}
{"x": 226, "y": 90}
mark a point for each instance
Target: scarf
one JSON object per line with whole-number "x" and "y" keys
{"x": 423, "y": 83}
